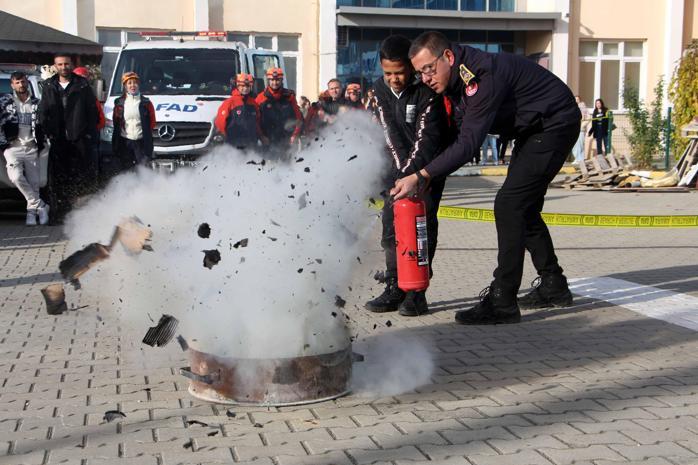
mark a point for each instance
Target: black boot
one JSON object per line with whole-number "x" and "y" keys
{"x": 549, "y": 290}
{"x": 389, "y": 300}
{"x": 415, "y": 304}
{"x": 495, "y": 308}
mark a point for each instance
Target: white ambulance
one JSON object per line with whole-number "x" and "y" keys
{"x": 186, "y": 80}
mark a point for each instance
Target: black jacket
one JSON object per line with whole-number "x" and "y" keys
{"x": 599, "y": 124}
{"x": 71, "y": 113}
{"x": 9, "y": 122}
{"x": 415, "y": 125}
{"x": 503, "y": 94}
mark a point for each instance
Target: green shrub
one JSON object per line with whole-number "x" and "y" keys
{"x": 647, "y": 125}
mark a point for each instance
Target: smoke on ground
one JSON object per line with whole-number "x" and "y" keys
{"x": 394, "y": 363}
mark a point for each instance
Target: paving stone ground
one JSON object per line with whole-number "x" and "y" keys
{"x": 595, "y": 384}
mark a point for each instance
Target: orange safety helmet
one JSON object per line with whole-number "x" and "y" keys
{"x": 275, "y": 73}
{"x": 243, "y": 78}
{"x": 82, "y": 72}
{"x": 128, "y": 76}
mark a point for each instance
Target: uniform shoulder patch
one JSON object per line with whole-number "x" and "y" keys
{"x": 465, "y": 74}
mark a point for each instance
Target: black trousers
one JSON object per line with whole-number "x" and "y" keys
{"x": 73, "y": 172}
{"x": 432, "y": 198}
{"x": 518, "y": 204}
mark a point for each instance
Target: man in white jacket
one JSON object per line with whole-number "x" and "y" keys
{"x": 21, "y": 139}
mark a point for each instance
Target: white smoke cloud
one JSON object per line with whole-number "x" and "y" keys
{"x": 306, "y": 221}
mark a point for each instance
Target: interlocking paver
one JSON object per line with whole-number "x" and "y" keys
{"x": 596, "y": 383}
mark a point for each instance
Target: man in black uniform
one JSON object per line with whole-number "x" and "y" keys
{"x": 512, "y": 96}
{"x": 415, "y": 124}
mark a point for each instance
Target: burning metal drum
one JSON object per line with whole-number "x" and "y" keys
{"x": 274, "y": 382}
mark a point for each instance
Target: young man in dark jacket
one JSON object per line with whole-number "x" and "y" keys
{"x": 415, "y": 124}
{"x": 68, "y": 113}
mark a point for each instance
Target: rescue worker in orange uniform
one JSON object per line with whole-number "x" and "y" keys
{"x": 281, "y": 119}
{"x": 238, "y": 117}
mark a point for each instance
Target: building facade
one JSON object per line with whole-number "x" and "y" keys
{"x": 596, "y": 46}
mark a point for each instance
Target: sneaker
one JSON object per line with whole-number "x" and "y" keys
{"x": 415, "y": 304}
{"x": 43, "y": 213}
{"x": 31, "y": 218}
{"x": 493, "y": 309}
{"x": 389, "y": 300}
{"x": 549, "y": 290}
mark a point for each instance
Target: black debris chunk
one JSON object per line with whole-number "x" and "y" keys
{"x": 230, "y": 414}
{"x": 273, "y": 239}
{"x": 334, "y": 314}
{"x": 261, "y": 163}
{"x": 379, "y": 276}
{"x": 258, "y": 425}
{"x": 211, "y": 258}
{"x": 161, "y": 334}
{"x": 358, "y": 259}
{"x": 196, "y": 422}
{"x": 299, "y": 270}
{"x": 375, "y": 326}
{"x": 205, "y": 168}
{"x": 182, "y": 342}
{"x": 188, "y": 445}
{"x": 356, "y": 357}
{"x": 204, "y": 231}
{"x": 212, "y": 433}
{"x": 306, "y": 169}
{"x": 372, "y": 200}
{"x": 111, "y": 415}
{"x": 293, "y": 186}
{"x": 299, "y": 159}
{"x": 241, "y": 243}
{"x": 339, "y": 302}
{"x": 388, "y": 323}
{"x": 352, "y": 157}
{"x": 319, "y": 261}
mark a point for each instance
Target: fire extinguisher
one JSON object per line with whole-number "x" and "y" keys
{"x": 410, "y": 219}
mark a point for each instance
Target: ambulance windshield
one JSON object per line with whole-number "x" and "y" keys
{"x": 179, "y": 71}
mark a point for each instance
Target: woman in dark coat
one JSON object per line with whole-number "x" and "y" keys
{"x": 599, "y": 126}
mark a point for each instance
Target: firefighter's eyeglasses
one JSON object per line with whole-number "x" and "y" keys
{"x": 429, "y": 69}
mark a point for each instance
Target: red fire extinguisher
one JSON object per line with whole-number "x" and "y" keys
{"x": 410, "y": 219}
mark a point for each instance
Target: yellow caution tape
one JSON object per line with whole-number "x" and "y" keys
{"x": 572, "y": 219}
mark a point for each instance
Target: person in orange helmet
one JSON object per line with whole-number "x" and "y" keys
{"x": 238, "y": 117}
{"x": 84, "y": 72}
{"x": 281, "y": 119}
{"x": 134, "y": 121}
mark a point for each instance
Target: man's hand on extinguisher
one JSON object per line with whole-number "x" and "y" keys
{"x": 410, "y": 185}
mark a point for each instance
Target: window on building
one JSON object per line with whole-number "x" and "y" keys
{"x": 606, "y": 67}
{"x": 287, "y": 45}
{"x": 464, "y": 5}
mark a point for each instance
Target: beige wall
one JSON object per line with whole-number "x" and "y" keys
{"x": 637, "y": 19}
{"x": 47, "y": 12}
{"x": 155, "y": 14}
{"x": 538, "y": 41}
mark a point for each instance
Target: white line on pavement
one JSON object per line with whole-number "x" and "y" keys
{"x": 669, "y": 306}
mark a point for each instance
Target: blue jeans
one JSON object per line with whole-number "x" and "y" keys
{"x": 578, "y": 149}
{"x": 492, "y": 142}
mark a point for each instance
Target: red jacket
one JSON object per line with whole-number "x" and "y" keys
{"x": 277, "y": 109}
{"x": 238, "y": 119}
